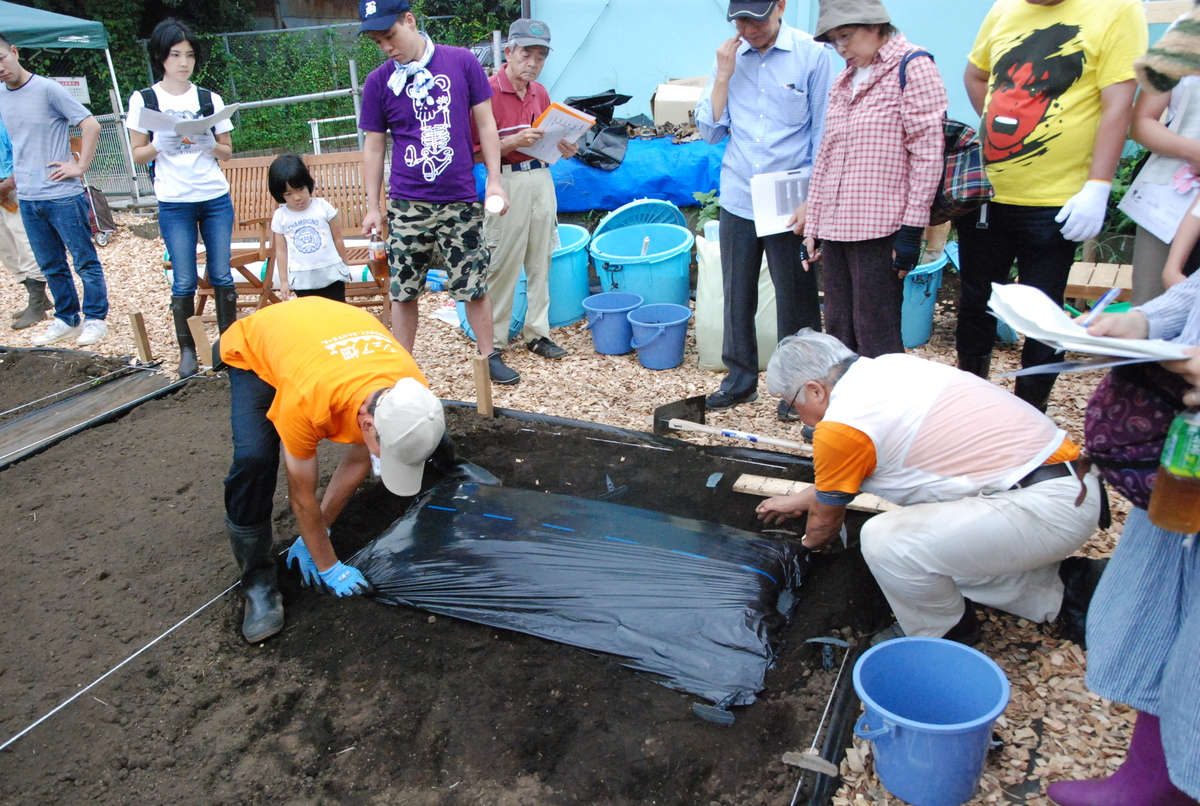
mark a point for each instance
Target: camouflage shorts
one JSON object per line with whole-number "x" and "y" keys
{"x": 416, "y": 229}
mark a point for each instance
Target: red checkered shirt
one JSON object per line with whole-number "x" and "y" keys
{"x": 881, "y": 160}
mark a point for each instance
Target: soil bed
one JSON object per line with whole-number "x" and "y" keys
{"x": 115, "y": 535}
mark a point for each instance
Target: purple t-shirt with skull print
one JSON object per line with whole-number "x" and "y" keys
{"x": 432, "y": 151}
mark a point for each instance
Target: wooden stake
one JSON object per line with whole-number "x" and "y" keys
{"x": 483, "y": 386}
{"x": 140, "y": 337}
{"x": 769, "y": 488}
{"x": 200, "y": 336}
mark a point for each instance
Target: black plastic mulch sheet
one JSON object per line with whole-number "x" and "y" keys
{"x": 692, "y": 602}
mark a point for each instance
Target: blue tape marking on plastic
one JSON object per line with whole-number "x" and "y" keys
{"x": 443, "y": 509}
{"x": 689, "y": 554}
{"x": 760, "y": 571}
{"x": 497, "y": 517}
{"x": 621, "y": 540}
{"x": 560, "y": 528}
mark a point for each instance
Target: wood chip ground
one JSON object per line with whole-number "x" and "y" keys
{"x": 1053, "y": 729}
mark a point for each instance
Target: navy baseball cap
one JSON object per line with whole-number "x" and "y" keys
{"x": 755, "y": 9}
{"x": 380, "y": 15}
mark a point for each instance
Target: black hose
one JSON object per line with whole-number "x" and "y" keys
{"x": 841, "y": 728}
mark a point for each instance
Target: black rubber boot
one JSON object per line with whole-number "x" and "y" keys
{"x": 1035, "y": 389}
{"x": 1080, "y": 576}
{"x": 445, "y": 460}
{"x": 264, "y": 603}
{"x": 968, "y": 630}
{"x": 226, "y": 302}
{"x": 975, "y": 364}
{"x": 182, "y": 309}
{"x": 38, "y": 307}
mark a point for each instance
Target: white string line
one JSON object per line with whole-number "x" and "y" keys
{"x": 97, "y": 681}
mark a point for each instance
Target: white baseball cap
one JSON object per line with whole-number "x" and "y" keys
{"x": 410, "y": 424}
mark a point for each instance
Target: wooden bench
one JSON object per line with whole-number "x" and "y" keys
{"x": 340, "y": 181}
{"x": 1091, "y": 280}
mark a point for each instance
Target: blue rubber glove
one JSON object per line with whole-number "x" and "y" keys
{"x": 309, "y": 575}
{"x": 345, "y": 580}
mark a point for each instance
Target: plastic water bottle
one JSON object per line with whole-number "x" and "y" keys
{"x": 1175, "y": 500}
{"x": 377, "y": 256}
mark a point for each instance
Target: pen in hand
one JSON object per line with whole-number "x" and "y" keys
{"x": 1109, "y": 296}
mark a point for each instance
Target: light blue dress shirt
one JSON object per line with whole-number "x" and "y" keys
{"x": 1175, "y": 315}
{"x": 774, "y": 116}
{"x": 6, "y": 154}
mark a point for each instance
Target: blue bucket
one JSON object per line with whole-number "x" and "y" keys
{"x": 930, "y": 707}
{"x": 569, "y": 276}
{"x": 516, "y": 325}
{"x": 611, "y": 331}
{"x": 659, "y": 276}
{"x": 920, "y": 301}
{"x": 658, "y": 334}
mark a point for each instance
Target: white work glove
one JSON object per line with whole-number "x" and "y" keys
{"x": 167, "y": 141}
{"x": 206, "y": 141}
{"x": 1084, "y": 212}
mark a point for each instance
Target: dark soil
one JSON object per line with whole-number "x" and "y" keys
{"x": 115, "y": 535}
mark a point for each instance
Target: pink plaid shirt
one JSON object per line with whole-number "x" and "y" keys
{"x": 881, "y": 160}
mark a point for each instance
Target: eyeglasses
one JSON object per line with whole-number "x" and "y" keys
{"x": 844, "y": 39}
{"x": 792, "y": 403}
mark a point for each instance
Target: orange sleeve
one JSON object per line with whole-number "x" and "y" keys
{"x": 842, "y": 457}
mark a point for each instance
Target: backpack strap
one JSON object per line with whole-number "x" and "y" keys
{"x": 206, "y": 101}
{"x": 908, "y": 57}
{"x": 149, "y": 99}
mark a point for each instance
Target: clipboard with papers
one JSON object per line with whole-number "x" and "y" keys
{"x": 157, "y": 121}
{"x": 559, "y": 122}
{"x": 775, "y": 196}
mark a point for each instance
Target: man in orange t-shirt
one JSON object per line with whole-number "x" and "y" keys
{"x": 304, "y": 371}
{"x": 993, "y": 495}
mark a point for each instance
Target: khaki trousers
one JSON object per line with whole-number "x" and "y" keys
{"x": 525, "y": 235}
{"x": 15, "y": 252}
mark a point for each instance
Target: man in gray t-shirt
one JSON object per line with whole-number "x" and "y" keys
{"x": 37, "y": 113}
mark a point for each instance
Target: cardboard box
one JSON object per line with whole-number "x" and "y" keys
{"x": 675, "y": 101}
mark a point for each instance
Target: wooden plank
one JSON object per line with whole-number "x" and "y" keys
{"x": 1158, "y": 11}
{"x": 140, "y": 337}
{"x": 483, "y": 386}
{"x": 1125, "y": 283}
{"x": 1091, "y": 280}
{"x": 767, "y": 487}
{"x": 1105, "y": 274}
{"x": 203, "y": 345}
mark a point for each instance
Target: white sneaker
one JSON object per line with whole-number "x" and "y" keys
{"x": 57, "y": 331}
{"x": 93, "y": 331}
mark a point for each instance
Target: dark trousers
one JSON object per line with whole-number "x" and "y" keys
{"x": 796, "y": 304}
{"x": 335, "y": 291}
{"x": 250, "y": 486}
{"x": 863, "y": 295}
{"x": 1031, "y": 237}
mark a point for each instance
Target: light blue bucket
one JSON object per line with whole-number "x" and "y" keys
{"x": 606, "y": 314}
{"x": 660, "y": 275}
{"x": 569, "y": 276}
{"x": 516, "y": 324}
{"x": 659, "y": 332}
{"x": 920, "y": 301}
{"x": 930, "y": 704}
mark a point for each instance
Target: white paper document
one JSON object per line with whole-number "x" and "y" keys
{"x": 559, "y": 123}
{"x": 1033, "y": 314}
{"x": 775, "y": 197}
{"x": 157, "y": 121}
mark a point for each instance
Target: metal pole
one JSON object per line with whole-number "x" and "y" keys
{"x": 497, "y": 51}
{"x": 316, "y": 135}
{"x": 232, "y": 80}
{"x": 332, "y": 56}
{"x": 126, "y": 148}
{"x": 149, "y": 64}
{"x": 357, "y": 96}
{"x": 525, "y": 12}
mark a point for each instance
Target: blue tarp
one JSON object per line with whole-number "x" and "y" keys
{"x": 652, "y": 169}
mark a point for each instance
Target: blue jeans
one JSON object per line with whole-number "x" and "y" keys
{"x": 179, "y": 222}
{"x": 1031, "y": 237}
{"x": 55, "y": 226}
{"x": 250, "y": 486}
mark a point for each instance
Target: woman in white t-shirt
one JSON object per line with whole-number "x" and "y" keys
{"x": 309, "y": 252}
{"x": 193, "y": 195}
